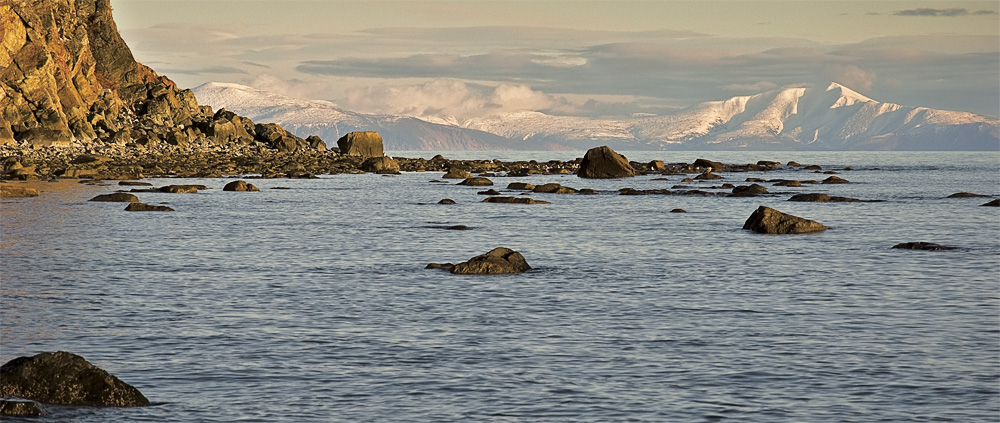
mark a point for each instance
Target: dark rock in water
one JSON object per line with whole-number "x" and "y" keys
{"x": 146, "y": 207}
{"x": 822, "y": 198}
{"x": 24, "y": 408}
{"x": 794, "y": 164}
{"x": 929, "y": 246}
{"x": 240, "y": 186}
{"x": 498, "y": 261}
{"x": 554, "y": 188}
{"x": 445, "y": 266}
{"x": 118, "y": 197}
{"x": 603, "y": 162}
{"x": 994, "y": 203}
{"x": 456, "y": 173}
{"x": 182, "y": 189}
{"x": 364, "y": 144}
{"x": 514, "y": 200}
{"x": 457, "y": 228}
{"x": 768, "y": 163}
{"x": 16, "y": 191}
{"x": 589, "y": 191}
{"x": 812, "y": 167}
{"x": 766, "y": 220}
{"x": 748, "y": 190}
{"x": 788, "y": 184}
{"x": 446, "y": 201}
{"x": 489, "y": 192}
{"x": 707, "y": 176}
{"x": 656, "y": 166}
{"x": 65, "y": 378}
{"x": 381, "y": 165}
{"x": 708, "y": 164}
{"x": 966, "y": 195}
{"x": 521, "y": 186}
{"x": 477, "y": 181}
{"x": 134, "y": 184}
{"x": 834, "y": 180}
{"x": 678, "y": 211}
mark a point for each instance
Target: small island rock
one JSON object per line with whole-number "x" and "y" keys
{"x": 766, "y": 220}
{"x": 117, "y": 197}
{"x": 928, "y": 246}
{"x": 146, "y": 207}
{"x": 240, "y": 186}
{"x": 66, "y": 378}
{"x": 604, "y": 163}
{"x": 477, "y": 181}
{"x": 496, "y": 262}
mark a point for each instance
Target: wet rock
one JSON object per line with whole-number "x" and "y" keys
{"x": 520, "y": 186}
{"x": 182, "y": 189}
{"x": 23, "y": 408}
{"x": 381, "y": 165}
{"x": 788, "y": 184}
{"x": 929, "y": 246}
{"x": 118, "y": 197}
{"x": 793, "y": 163}
{"x": 457, "y": 228}
{"x": 709, "y": 165}
{"x": 822, "y": 198}
{"x": 143, "y": 207}
{"x": 65, "y": 378}
{"x": 514, "y": 200}
{"x": 966, "y": 195}
{"x": 678, "y": 211}
{"x": 768, "y": 163}
{"x": 445, "y": 266}
{"x": 498, "y": 261}
{"x": 554, "y": 188}
{"x": 456, "y": 173}
{"x": 994, "y": 203}
{"x": 134, "y": 184}
{"x": 812, "y": 167}
{"x": 240, "y": 186}
{"x": 17, "y": 191}
{"x": 748, "y": 190}
{"x": 489, "y": 192}
{"x": 476, "y": 181}
{"x": 446, "y": 201}
{"x": 364, "y": 144}
{"x": 766, "y": 220}
{"x": 834, "y": 180}
{"x": 707, "y": 175}
{"x": 603, "y": 162}
{"x": 656, "y": 166}
{"x": 589, "y": 191}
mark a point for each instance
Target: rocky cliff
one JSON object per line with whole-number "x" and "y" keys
{"x": 68, "y": 79}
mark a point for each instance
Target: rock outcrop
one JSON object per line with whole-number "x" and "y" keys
{"x": 766, "y": 220}
{"x": 364, "y": 144}
{"x": 498, "y": 261}
{"x": 67, "y": 79}
{"x": 240, "y": 186}
{"x": 66, "y": 378}
{"x": 603, "y": 162}
{"x": 381, "y": 165}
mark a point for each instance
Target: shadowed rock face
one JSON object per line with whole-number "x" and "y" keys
{"x": 766, "y": 220}
{"x": 65, "y": 378}
{"x": 603, "y": 162}
{"x": 21, "y": 408}
{"x": 498, "y": 261}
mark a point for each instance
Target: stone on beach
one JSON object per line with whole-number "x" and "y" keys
{"x": 766, "y": 220}
{"x": 66, "y": 378}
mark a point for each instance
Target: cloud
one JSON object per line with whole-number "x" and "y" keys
{"x": 448, "y": 97}
{"x": 852, "y": 77}
{"x": 933, "y": 12}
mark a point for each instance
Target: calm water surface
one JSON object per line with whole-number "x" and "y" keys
{"x": 311, "y": 303}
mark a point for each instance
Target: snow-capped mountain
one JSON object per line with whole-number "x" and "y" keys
{"x": 325, "y": 119}
{"x": 834, "y": 118}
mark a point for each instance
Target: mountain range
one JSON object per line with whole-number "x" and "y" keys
{"x": 796, "y": 118}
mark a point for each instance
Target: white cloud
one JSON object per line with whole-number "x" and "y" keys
{"x": 854, "y": 77}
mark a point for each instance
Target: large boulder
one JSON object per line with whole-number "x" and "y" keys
{"x": 364, "y": 144}
{"x": 496, "y": 262}
{"x": 66, "y": 378}
{"x": 381, "y": 165}
{"x": 240, "y": 186}
{"x": 477, "y": 181}
{"x": 766, "y": 220}
{"x": 603, "y": 162}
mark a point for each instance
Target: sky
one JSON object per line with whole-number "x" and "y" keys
{"x": 468, "y": 59}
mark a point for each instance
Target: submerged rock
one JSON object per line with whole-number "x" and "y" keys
{"x": 966, "y": 195}
{"x": 477, "y": 181}
{"x": 496, "y": 262}
{"x": 766, "y": 220}
{"x": 553, "y": 188}
{"x": 146, "y": 207}
{"x": 240, "y": 186}
{"x": 514, "y": 200}
{"x": 822, "y": 198}
{"x": 994, "y": 203}
{"x": 66, "y": 378}
{"x": 118, "y": 197}
{"x": 929, "y": 246}
{"x": 24, "y": 408}
{"x": 446, "y": 201}
{"x": 603, "y": 163}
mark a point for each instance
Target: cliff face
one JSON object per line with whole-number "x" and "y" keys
{"x": 66, "y": 76}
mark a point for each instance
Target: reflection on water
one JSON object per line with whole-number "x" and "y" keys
{"x": 312, "y": 304}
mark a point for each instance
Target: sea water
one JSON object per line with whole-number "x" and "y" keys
{"x": 312, "y": 304}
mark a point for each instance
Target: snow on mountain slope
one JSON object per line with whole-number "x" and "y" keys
{"x": 325, "y": 119}
{"x": 834, "y": 118}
